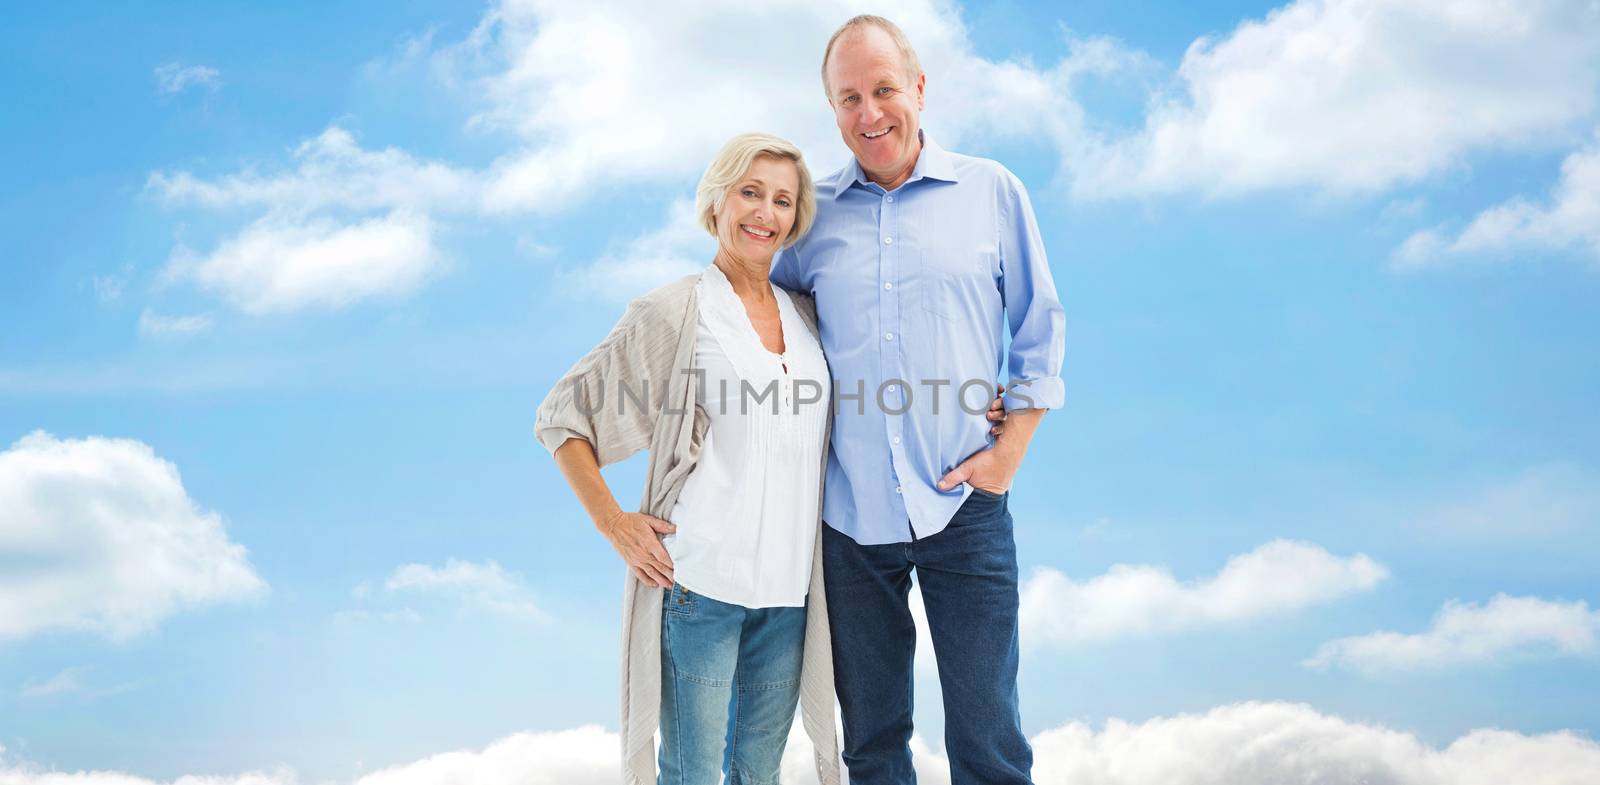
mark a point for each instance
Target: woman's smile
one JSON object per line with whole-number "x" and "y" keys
{"x": 762, "y": 234}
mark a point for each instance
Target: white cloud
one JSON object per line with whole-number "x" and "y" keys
{"x": 154, "y": 325}
{"x": 1130, "y": 600}
{"x": 103, "y": 538}
{"x": 1238, "y": 744}
{"x": 611, "y": 97}
{"x": 397, "y": 616}
{"x": 603, "y": 98}
{"x": 279, "y": 265}
{"x": 24, "y": 774}
{"x": 485, "y": 587}
{"x": 1468, "y": 633}
{"x": 1340, "y": 95}
{"x": 108, "y": 288}
{"x": 675, "y": 249}
{"x": 1569, "y": 221}
{"x": 1406, "y": 210}
{"x": 331, "y": 171}
{"x": 174, "y": 78}
{"x": 1278, "y": 743}
{"x": 67, "y": 681}
{"x": 608, "y": 94}
{"x": 614, "y": 96}
{"x": 1358, "y": 95}
{"x": 346, "y": 224}
{"x": 583, "y": 756}
{"x": 70, "y": 682}
{"x": 1539, "y": 502}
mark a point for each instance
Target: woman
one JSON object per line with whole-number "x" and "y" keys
{"x": 721, "y": 376}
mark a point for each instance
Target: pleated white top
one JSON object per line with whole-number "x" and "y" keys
{"x": 747, "y": 515}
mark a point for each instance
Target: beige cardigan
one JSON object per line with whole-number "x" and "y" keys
{"x": 650, "y": 351}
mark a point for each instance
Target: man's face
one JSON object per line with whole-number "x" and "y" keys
{"x": 877, "y": 105}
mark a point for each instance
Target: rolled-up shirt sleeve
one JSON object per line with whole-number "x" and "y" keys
{"x": 1037, "y": 320}
{"x": 597, "y": 400}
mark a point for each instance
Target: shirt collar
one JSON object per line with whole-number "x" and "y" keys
{"x": 933, "y": 163}
{"x": 723, "y": 313}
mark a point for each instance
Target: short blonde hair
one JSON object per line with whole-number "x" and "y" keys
{"x": 908, "y": 56}
{"x": 731, "y": 165}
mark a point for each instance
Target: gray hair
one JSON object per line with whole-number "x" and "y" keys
{"x": 731, "y": 165}
{"x": 908, "y": 56}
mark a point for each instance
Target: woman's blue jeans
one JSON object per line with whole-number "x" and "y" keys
{"x": 730, "y": 680}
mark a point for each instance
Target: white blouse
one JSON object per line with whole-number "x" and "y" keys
{"x": 747, "y": 515}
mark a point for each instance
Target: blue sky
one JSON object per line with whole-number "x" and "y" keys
{"x": 1330, "y": 269}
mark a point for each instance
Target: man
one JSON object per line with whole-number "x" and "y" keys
{"x": 919, "y": 260}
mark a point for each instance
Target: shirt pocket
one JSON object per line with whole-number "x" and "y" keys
{"x": 950, "y": 280}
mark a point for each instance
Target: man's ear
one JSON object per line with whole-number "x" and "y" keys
{"x": 922, "y": 88}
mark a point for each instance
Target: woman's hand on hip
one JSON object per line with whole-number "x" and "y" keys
{"x": 637, "y": 538}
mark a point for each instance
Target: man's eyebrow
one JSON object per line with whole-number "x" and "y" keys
{"x": 884, "y": 82}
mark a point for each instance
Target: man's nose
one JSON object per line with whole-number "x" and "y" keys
{"x": 871, "y": 113}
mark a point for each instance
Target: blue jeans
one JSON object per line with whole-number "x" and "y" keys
{"x": 968, "y": 575}
{"x": 730, "y": 680}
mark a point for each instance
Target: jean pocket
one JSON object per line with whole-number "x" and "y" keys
{"x": 679, "y": 601}
{"x": 990, "y": 495}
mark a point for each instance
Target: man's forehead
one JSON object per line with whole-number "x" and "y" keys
{"x": 865, "y": 53}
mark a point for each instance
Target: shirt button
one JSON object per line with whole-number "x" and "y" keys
{"x": 888, "y": 198}
{"x": 888, "y": 241}
{"x": 888, "y": 336}
{"x": 888, "y": 286}
{"x": 896, "y": 440}
{"x": 896, "y": 489}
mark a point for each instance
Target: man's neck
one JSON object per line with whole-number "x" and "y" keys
{"x": 889, "y": 182}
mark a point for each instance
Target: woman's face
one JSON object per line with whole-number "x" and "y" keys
{"x": 758, "y": 210}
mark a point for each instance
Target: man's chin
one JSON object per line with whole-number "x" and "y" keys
{"x": 877, "y": 163}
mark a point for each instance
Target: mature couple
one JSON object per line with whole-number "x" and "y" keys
{"x": 785, "y": 507}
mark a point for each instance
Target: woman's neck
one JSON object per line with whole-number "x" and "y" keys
{"x": 749, "y": 278}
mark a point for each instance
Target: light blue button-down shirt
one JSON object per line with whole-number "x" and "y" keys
{"x": 916, "y": 291}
